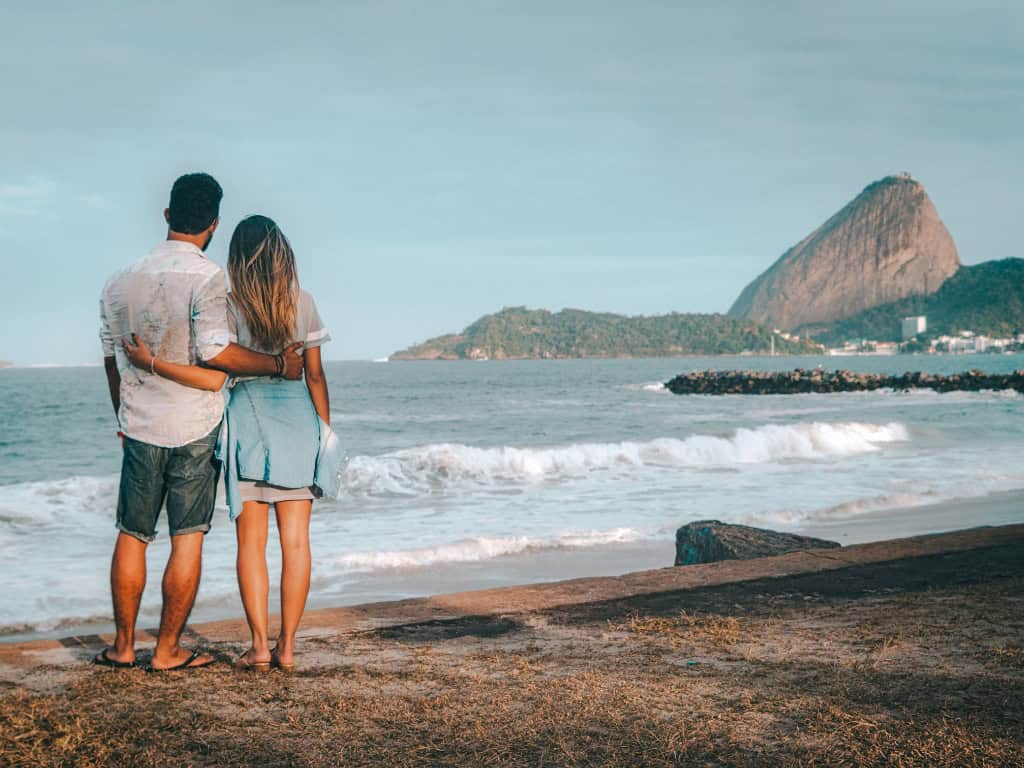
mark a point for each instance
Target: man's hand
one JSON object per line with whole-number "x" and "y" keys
{"x": 293, "y": 361}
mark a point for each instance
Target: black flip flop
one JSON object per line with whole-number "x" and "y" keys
{"x": 103, "y": 660}
{"x": 186, "y": 664}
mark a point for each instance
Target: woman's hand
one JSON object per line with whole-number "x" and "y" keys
{"x": 138, "y": 353}
{"x": 193, "y": 376}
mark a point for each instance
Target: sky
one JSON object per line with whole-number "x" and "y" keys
{"x": 435, "y": 161}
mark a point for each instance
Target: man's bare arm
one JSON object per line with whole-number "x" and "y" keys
{"x": 212, "y": 324}
{"x": 316, "y": 383}
{"x": 244, "y": 362}
{"x": 113, "y": 382}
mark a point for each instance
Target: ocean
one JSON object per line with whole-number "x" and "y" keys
{"x": 464, "y": 475}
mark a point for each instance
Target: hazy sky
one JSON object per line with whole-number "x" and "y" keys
{"x": 434, "y": 161}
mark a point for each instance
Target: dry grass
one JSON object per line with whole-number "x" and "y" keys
{"x": 1011, "y": 655}
{"x": 684, "y": 628}
{"x": 904, "y": 680}
{"x": 856, "y": 739}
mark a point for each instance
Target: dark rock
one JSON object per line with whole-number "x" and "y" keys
{"x": 709, "y": 541}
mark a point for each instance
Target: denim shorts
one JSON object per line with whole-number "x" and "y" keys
{"x": 185, "y": 477}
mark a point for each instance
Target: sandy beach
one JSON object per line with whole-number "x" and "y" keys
{"x": 904, "y": 652}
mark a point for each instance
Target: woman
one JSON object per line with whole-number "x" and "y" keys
{"x": 276, "y": 445}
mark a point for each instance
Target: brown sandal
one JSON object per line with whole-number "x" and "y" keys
{"x": 276, "y": 662}
{"x": 242, "y": 665}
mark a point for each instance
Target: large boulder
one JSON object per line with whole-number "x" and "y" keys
{"x": 887, "y": 244}
{"x": 709, "y": 541}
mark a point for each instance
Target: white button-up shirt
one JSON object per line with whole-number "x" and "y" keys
{"x": 174, "y": 299}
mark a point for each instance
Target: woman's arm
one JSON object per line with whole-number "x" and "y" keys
{"x": 187, "y": 375}
{"x": 316, "y": 383}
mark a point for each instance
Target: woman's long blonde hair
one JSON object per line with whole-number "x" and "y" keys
{"x": 264, "y": 281}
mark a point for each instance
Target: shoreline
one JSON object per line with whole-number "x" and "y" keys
{"x": 658, "y": 551}
{"x": 539, "y": 567}
{"x": 762, "y": 354}
{"x": 994, "y": 509}
{"x": 538, "y": 595}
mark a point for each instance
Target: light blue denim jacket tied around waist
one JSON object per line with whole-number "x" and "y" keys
{"x": 272, "y": 433}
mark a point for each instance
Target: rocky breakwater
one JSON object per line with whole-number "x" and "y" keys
{"x": 816, "y": 380}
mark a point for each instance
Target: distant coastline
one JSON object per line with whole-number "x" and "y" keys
{"x": 676, "y": 356}
{"x": 850, "y": 287}
{"x": 518, "y": 333}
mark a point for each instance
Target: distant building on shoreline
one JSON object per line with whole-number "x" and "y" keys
{"x": 912, "y": 326}
{"x": 962, "y": 343}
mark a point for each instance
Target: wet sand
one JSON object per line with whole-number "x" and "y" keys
{"x": 1005, "y": 508}
{"x": 616, "y": 559}
{"x": 907, "y": 652}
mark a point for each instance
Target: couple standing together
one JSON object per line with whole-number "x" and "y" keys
{"x": 172, "y": 336}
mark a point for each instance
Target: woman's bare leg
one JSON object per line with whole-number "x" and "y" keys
{"x": 293, "y": 529}
{"x": 253, "y": 581}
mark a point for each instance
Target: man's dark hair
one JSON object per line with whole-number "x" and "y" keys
{"x": 195, "y": 203}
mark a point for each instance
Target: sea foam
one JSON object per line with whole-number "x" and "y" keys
{"x": 451, "y": 465}
{"x": 448, "y": 465}
{"x": 480, "y": 548}
{"x": 57, "y": 502}
{"x": 846, "y": 510}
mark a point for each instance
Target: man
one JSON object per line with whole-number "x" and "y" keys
{"x": 175, "y": 300}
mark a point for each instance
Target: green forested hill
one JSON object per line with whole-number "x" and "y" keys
{"x": 519, "y": 333}
{"x": 986, "y": 298}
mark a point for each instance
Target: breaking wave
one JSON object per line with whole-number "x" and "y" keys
{"x": 56, "y": 503}
{"x": 480, "y": 548}
{"x": 445, "y": 465}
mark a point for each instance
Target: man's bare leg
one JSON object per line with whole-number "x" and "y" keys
{"x": 180, "y": 585}
{"x": 127, "y": 582}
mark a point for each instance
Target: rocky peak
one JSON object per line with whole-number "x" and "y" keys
{"x": 886, "y": 244}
